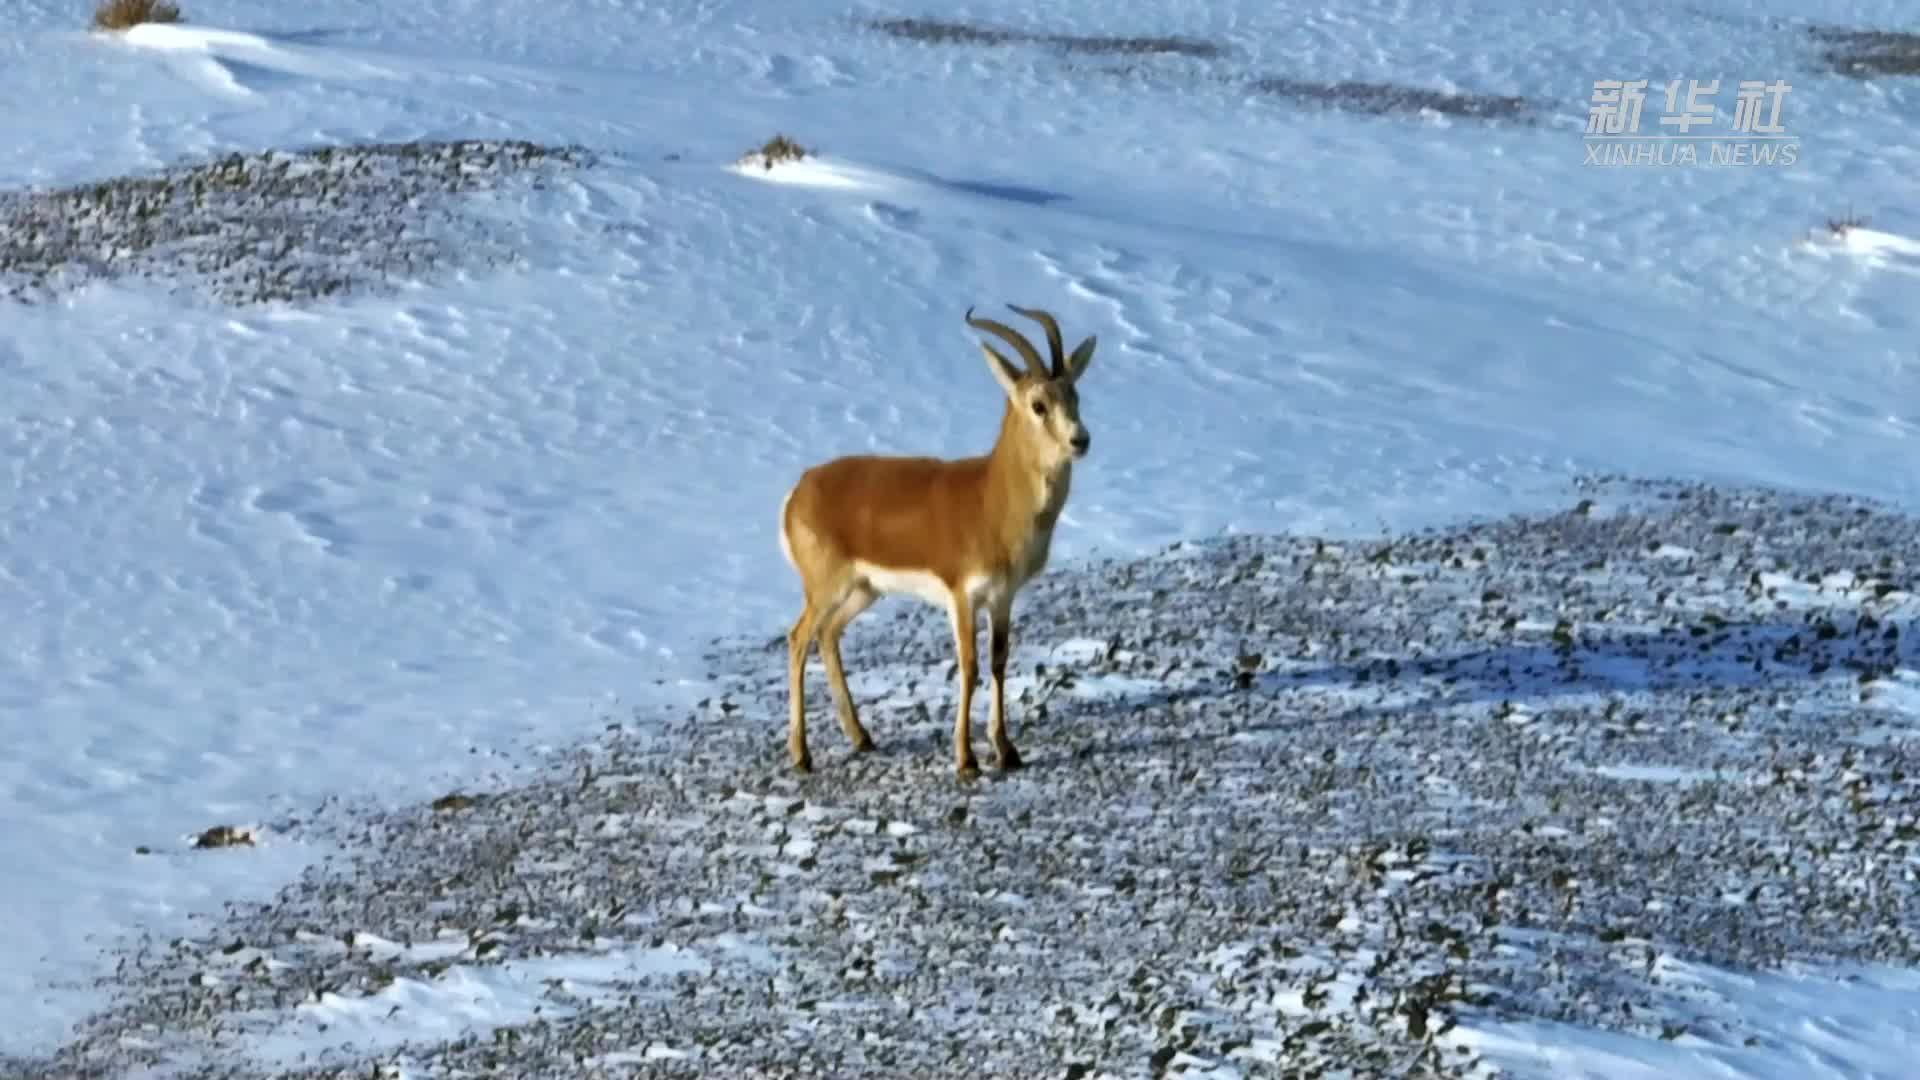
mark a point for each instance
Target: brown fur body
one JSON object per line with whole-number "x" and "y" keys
{"x": 962, "y": 534}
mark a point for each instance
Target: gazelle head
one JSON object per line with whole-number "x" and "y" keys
{"x": 1043, "y": 398}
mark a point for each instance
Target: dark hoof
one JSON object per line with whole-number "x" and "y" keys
{"x": 1008, "y": 758}
{"x": 967, "y": 772}
{"x": 803, "y": 763}
{"x": 863, "y": 744}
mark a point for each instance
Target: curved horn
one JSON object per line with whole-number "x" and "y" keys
{"x": 1052, "y": 328}
{"x": 1011, "y": 337}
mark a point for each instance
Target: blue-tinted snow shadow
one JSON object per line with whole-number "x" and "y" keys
{"x": 1730, "y": 656}
{"x": 1007, "y": 192}
{"x": 1727, "y": 658}
{"x": 318, "y": 35}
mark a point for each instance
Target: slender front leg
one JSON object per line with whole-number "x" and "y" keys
{"x": 963, "y": 633}
{"x": 1003, "y": 751}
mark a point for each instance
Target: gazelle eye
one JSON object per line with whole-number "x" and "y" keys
{"x": 1039, "y": 408}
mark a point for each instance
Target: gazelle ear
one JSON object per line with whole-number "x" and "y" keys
{"x": 1077, "y": 363}
{"x": 1002, "y": 368}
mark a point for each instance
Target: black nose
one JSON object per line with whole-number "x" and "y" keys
{"x": 1082, "y": 441}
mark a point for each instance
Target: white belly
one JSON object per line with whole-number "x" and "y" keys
{"x": 982, "y": 590}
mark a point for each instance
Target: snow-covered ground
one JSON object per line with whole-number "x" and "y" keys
{"x": 256, "y": 561}
{"x": 1625, "y": 789}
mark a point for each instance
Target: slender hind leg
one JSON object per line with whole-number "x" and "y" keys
{"x": 805, "y": 629}
{"x": 858, "y": 600}
{"x": 799, "y": 640}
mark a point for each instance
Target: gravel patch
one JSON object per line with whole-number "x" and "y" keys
{"x": 950, "y": 32}
{"x": 1131, "y": 58}
{"x": 1868, "y": 54}
{"x": 1292, "y": 807}
{"x": 271, "y": 226}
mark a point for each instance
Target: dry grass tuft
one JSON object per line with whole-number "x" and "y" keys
{"x": 775, "y": 150}
{"x": 1846, "y": 223}
{"x": 221, "y": 836}
{"x": 121, "y": 14}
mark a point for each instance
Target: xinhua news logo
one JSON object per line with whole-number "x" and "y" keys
{"x": 1755, "y": 138}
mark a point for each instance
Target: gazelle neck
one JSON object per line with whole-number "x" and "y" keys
{"x": 1020, "y": 476}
